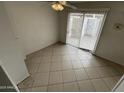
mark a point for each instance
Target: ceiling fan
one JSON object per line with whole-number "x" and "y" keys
{"x": 60, "y": 5}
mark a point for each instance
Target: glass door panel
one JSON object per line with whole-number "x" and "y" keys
{"x": 90, "y": 30}
{"x": 74, "y": 29}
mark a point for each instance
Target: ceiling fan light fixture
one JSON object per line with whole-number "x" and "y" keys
{"x": 57, "y": 7}
{"x": 60, "y": 7}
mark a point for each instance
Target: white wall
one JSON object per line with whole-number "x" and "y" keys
{"x": 111, "y": 44}
{"x": 63, "y": 17}
{"x": 11, "y": 56}
{"x": 35, "y": 24}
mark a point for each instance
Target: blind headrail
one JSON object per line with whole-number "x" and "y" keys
{"x": 92, "y": 10}
{"x": 96, "y": 9}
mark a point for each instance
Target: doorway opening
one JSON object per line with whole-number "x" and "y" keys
{"x": 84, "y": 29}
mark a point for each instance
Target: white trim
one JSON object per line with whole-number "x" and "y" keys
{"x": 81, "y": 29}
{"x": 99, "y": 34}
{"x": 118, "y": 84}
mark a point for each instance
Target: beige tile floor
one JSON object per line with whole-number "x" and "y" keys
{"x": 61, "y": 67}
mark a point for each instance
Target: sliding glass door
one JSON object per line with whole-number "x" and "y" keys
{"x": 74, "y": 29}
{"x": 84, "y": 29}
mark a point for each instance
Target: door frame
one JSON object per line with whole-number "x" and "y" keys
{"x": 99, "y": 33}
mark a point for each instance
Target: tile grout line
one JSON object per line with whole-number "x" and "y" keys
{"x": 49, "y": 70}
{"x": 62, "y": 80}
{"x": 73, "y": 69}
{"x": 106, "y": 85}
{"x": 89, "y": 78}
{"x": 61, "y": 83}
{"x": 76, "y": 78}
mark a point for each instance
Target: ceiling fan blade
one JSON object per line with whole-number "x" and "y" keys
{"x": 68, "y": 4}
{"x": 63, "y": 2}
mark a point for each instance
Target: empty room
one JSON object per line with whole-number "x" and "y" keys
{"x": 61, "y": 46}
